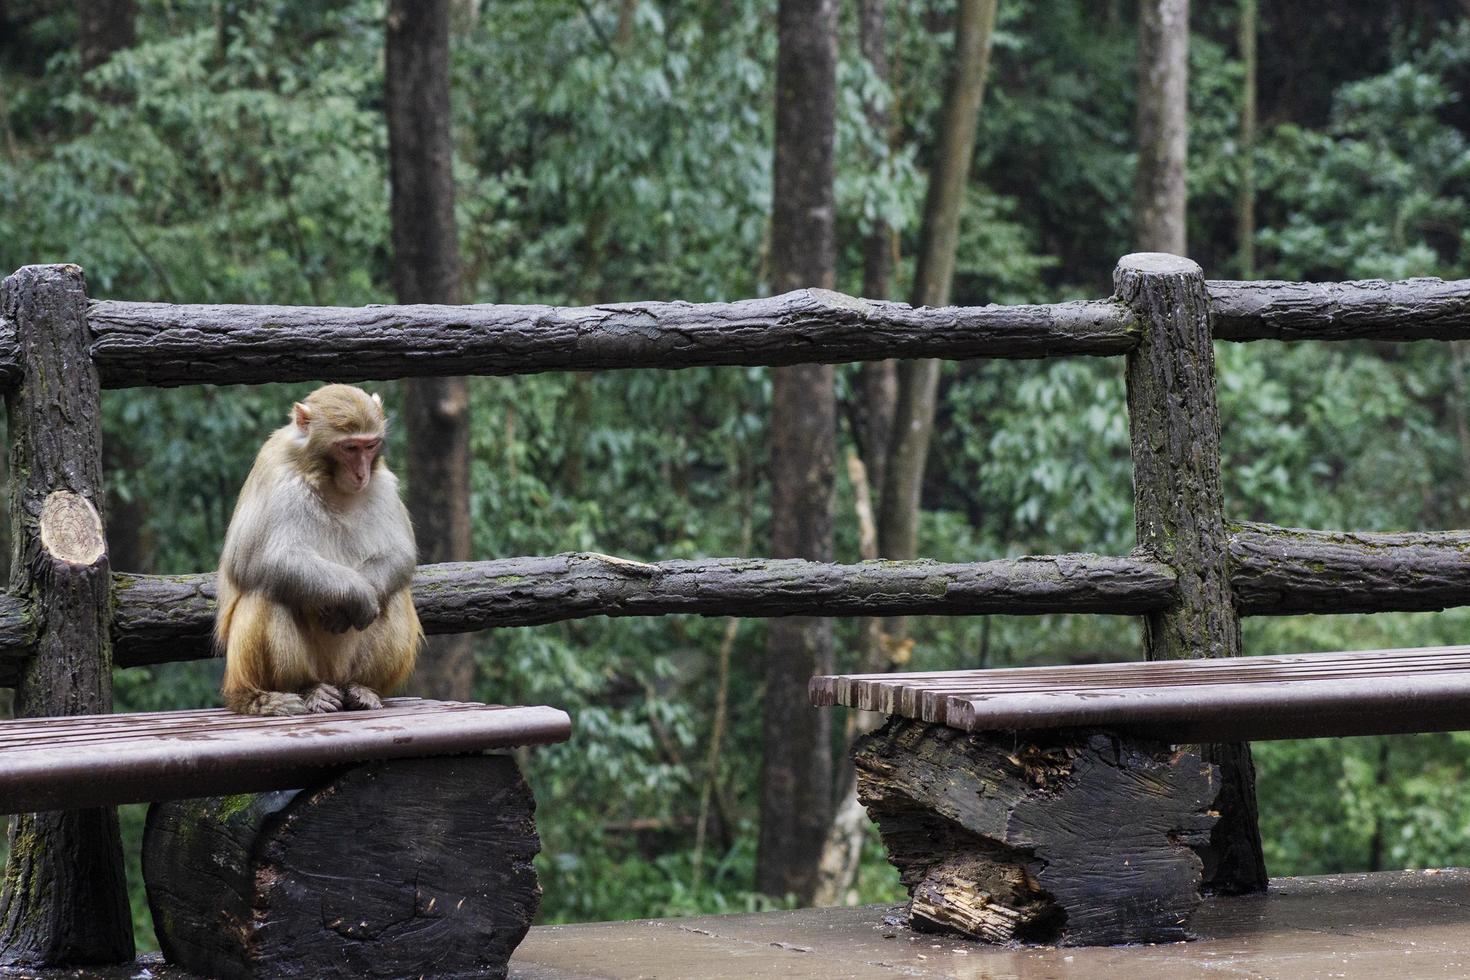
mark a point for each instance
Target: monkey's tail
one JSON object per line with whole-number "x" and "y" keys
{"x": 229, "y": 598}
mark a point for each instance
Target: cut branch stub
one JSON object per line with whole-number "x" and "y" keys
{"x": 71, "y": 530}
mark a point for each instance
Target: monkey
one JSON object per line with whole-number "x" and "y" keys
{"x": 315, "y": 612}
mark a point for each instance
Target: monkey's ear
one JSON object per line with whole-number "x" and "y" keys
{"x": 377, "y": 401}
{"x": 301, "y": 415}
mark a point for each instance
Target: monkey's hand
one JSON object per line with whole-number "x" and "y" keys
{"x": 357, "y": 608}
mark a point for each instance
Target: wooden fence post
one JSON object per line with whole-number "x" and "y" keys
{"x": 1175, "y": 426}
{"x": 65, "y": 897}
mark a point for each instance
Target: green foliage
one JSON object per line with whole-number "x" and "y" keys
{"x": 240, "y": 158}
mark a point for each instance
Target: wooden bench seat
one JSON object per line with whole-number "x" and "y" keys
{"x": 96, "y": 760}
{"x": 1367, "y": 692}
{"x": 1053, "y": 804}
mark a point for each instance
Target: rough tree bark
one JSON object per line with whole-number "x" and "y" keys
{"x": 918, "y": 381}
{"x": 1245, "y": 202}
{"x": 65, "y": 898}
{"x": 1175, "y": 425}
{"x": 164, "y": 345}
{"x": 1163, "y": 125}
{"x": 796, "y": 778}
{"x": 348, "y": 877}
{"x": 426, "y": 270}
{"x": 1073, "y": 837}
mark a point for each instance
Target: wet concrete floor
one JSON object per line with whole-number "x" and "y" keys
{"x": 1385, "y": 926}
{"x": 1389, "y": 925}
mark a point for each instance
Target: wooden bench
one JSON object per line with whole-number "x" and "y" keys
{"x": 385, "y": 842}
{"x": 1051, "y": 804}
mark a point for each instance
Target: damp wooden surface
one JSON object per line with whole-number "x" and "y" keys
{"x": 64, "y": 762}
{"x": 1363, "y": 692}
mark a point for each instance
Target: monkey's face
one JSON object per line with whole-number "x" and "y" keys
{"x": 353, "y": 458}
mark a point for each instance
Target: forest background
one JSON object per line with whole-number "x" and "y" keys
{"x": 621, "y": 150}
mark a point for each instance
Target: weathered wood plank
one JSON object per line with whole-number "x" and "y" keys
{"x": 65, "y": 897}
{"x": 1367, "y": 692}
{"x": 416, "y": 867}
{"x": 998, "y": 836}
{"x": 53, "y": 763}
{"x": 1174, "y": 423}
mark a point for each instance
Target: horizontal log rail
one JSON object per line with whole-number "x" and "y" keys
{"x": 1371, "y": 309}
{"x": 1274, "y": 571}
{"x": 164, "y": 618}
{"x": 1277, "y": 571}
{"x": 167, "y": 345}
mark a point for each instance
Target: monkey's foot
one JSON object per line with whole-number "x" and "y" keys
{"x": 321, "y": 699}
{"x": 355, "y": 697}
{"x": 275, "y": 703}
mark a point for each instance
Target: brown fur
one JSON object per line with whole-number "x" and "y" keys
{"x": 315, "y": 613}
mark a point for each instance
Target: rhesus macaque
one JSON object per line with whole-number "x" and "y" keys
{"x": 315, "y": 613}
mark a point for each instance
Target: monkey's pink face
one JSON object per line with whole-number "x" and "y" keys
{"x": 355, "y": 456}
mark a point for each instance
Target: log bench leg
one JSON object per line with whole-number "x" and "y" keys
{"x": 391, "y": 869}
{"x": 1079, "y": 838}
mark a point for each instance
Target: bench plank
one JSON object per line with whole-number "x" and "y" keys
{"x": 67, "y": 763}
{"x": 1369, "y": 692}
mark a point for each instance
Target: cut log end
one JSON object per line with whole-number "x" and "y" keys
{"x": 1158, "y": 263}
{"x": 1072, "y": 837}
{"x": 71, "y": 530}
{"x": 405, "y": 868}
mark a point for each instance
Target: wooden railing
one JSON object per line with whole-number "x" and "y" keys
{"x": 1273, "y": 571}
{"x": 66, "y": 619}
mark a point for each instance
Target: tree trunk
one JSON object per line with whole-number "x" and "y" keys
{"x": 796, "y": 780}
{"x": 878, "y": 387}
{"x": 918, "y": 381}
{"x": 1245, "y": 204}
{"x": 104, "y": 27}
{"x": 1163, "y": 125}
{"x": 65, "y": 898}
{"x": 426, "y": 270}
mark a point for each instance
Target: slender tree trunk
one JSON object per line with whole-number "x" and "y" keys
{"x": 426, "y": 270}
{"x": 878, "y": 386}
{"x": 910, "y": 424}
{"x": 104, "y": 27}
{"x": 1163, "y": 125}
{"x": 1245, "y": 206}
{"x": 796, "y": 781}
{"x": 918, "y": 381}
